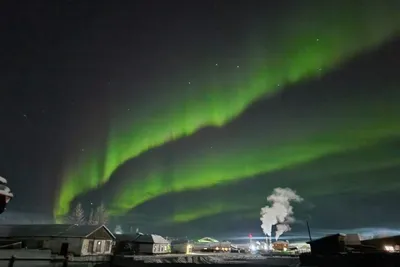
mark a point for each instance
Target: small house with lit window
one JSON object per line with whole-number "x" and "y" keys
{"x": 62, "y": 239}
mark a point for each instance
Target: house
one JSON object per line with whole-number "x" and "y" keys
{"x": 338, "y": 243}
{"x": 181, "y": 246}
{"x": 330, "y": 244}
{"x": 125, "y": 244}
{"x": 280, "y": 246}
{"x": 142, "y": 244}
{"x": 208, "y": 244}
{"x": 71, "y": 239}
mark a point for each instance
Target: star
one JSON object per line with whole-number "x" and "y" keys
{"x": 25, "y": 116}
{"x": 82, "y": 149}
{"x": 237, "y": 66}
{"x": 216, "y": 64}
{"x": 188, "y": 82}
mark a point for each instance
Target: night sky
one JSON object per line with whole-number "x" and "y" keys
{"x": 183, "y": 116}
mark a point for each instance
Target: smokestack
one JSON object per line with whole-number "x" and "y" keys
{"x": 309, "y": 232}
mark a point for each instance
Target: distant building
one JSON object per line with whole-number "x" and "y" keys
{"x": 280, "y": 246}
{"x": 142, "y": 244}
{"x": 330, "y": 244}
{"x": 390, "y": 243}
{"x": 208, "y": 244}
{"x": 181, "y": 246}
{"x": 338, "y": 243}
{"x": 300, "y": 247}
{"x": 63, "y": 239}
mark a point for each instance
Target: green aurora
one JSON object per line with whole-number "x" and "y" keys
{"x": 272, "y": 159}
{"x": 302, "y": 48}
{"x": 342, "y": 172}
{"x": 359, "y": 125}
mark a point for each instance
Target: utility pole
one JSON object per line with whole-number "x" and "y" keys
{"x": 309, "y": 232}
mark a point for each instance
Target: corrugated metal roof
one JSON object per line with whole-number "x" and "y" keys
{"x": 207, "y": 239}
{"x": 44, "y": 230}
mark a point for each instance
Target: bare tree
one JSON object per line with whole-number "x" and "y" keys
{"x": 91, "y": 219}
{"x": 78, "y": 215}
{"x": 101, "y": 214}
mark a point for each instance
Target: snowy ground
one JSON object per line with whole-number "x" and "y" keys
{"x": 223, "y": 258}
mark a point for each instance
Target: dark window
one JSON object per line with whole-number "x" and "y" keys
{"x": 64, "y": 249}
{"x": 107, "y": 246}
{"x": 90, "y": 246}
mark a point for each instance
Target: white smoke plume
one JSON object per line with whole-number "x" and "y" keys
{"x": 280, "y": 213}
{"x": 280, "y": 229}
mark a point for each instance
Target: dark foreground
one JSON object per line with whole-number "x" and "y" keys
{"x": 372, "y": 259}
{"x": 170, "y": 260}
{"x": 220, "y": 260}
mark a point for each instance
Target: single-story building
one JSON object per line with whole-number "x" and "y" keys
{"x": 337, "y": 243}
{"x": 142, "y": 244}
{"x": 181, "y": 246}
{"x": 328, "y": 245}
{"x": 125, "y": 244}
{"x": 390, "y": 243}
{"x": 208, "y": 244}
{"x": 63, "y": 239}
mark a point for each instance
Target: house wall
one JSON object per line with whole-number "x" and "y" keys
{"x": 32, "y": 243}
{"x": 99, "y": 247}
{"x": 161, "y": 249}
{"x": 328, "y": 245}
{"x": 55, "y": 244}
{"x": 180, "y": 248}
{"x": 146, "y": 248}
{"x": 79, "y": 246}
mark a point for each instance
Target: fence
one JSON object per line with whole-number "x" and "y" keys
{"x": 15, "y": 261}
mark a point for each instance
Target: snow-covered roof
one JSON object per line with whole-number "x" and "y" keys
{"x": 3, "y": 180}
{"x": 50, "y": 230}
{"x": 156, "y": 239}
{"x": 207, "y": 239}
{"x": 143, "y": 238}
